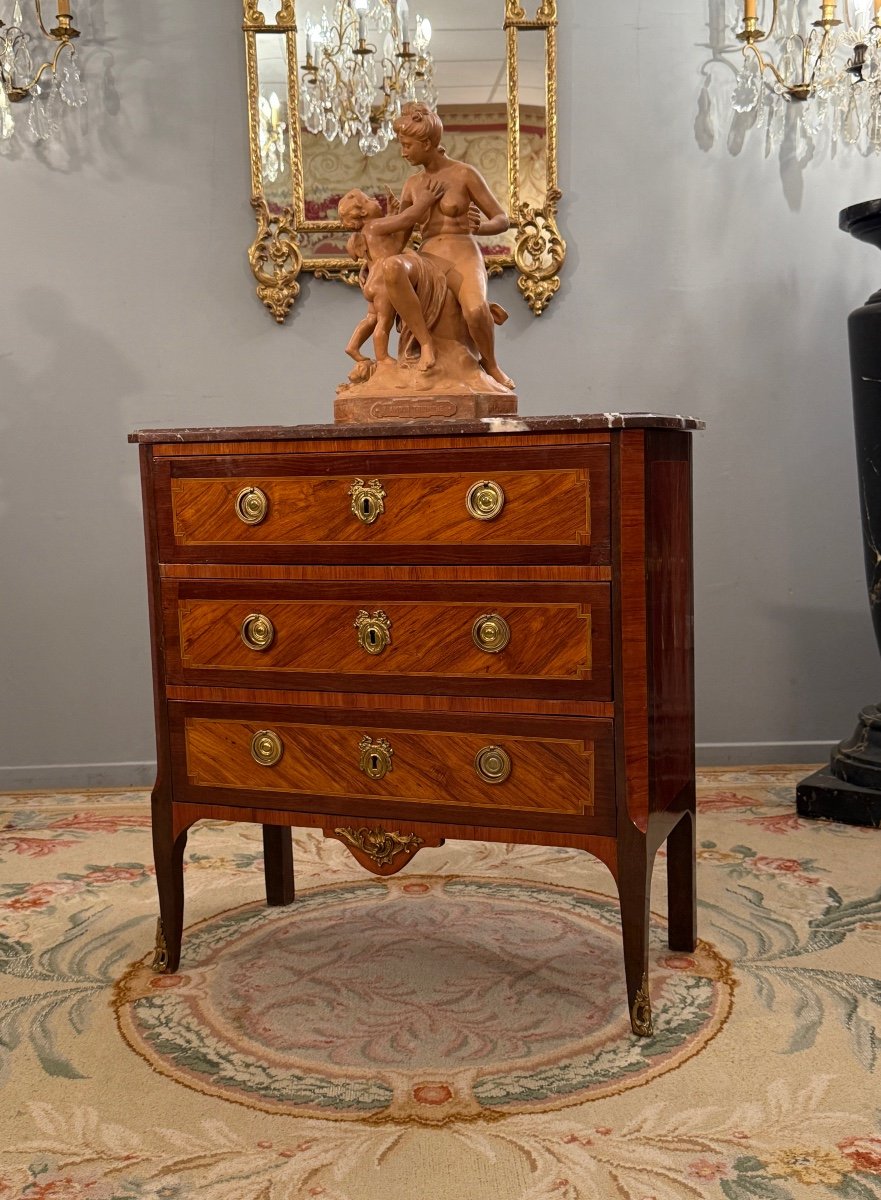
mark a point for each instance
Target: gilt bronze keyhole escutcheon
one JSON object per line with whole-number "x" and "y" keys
{"x": 374, "y": 632}
{"x": 376, "y": 757}
{"x": 368, "y": 500}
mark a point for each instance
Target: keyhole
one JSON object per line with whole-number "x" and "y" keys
{"x": 374, "y": 762}
{"x": 372, "y": 636}
{"x": 365, "y": 507}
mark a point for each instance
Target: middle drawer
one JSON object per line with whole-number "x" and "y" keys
{"x": 547, "y": 640}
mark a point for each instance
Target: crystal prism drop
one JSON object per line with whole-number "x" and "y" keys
{"x": 73, "y": 91}
{"x": 331, "y": 125}
{"x": 873, "y": 131}
{"x": 22, "y": 63}
{"x": 7, "y": 121}
{"x": 850, "y": 122}
{"x": 37, "y": 122}
{"x": 746, "y": 90}
{"x": 16, "y": 14}
{"x": 53, "y": 109}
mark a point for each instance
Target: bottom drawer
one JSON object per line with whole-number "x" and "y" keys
{"x": 526, "y": 771}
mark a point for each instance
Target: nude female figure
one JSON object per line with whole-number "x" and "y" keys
{"x": 466, "y": 208}
{"x": 387, "y": 283}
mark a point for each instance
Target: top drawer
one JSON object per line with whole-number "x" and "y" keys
{"x": 463, "y": 506}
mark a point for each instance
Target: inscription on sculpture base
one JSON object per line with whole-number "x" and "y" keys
{"x": 368, "y": 409}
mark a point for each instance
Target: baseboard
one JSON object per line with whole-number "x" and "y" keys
{"x": 62, "y": 777}
{"x": 761, "y": 754}
{"x": 73, "y": 776}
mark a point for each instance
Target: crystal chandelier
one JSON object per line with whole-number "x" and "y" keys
{"x": 354, "y": 89}
{"x": 826, "y": 63}
{"x": 46, "y": 86}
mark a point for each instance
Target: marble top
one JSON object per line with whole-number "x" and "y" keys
{"x": 420, "y": 428}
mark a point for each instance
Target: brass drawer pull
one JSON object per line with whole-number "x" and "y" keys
{"x": 491, "y": 633}
{"x": 374, "y": 632}
{"x": 252, "y": 505}
{"x": 493, "y": 764}
{"x": 485, "y": 500}
{"x": 266, "y": 747}
{"x": 258, "y": 632}
{"x": 368, "y": 500}
{"x": 376, "y": 757}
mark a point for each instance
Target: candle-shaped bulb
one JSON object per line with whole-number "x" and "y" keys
{"x": 749, "y": 10}
{"x": 64, "y": 8}
{"x": 404, "y": 20}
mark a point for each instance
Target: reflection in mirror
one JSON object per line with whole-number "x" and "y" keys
{"x": 468, "y": 61}
{"x": 491, "y": 64}
{"x": 274, "y": 117}
{"x": 532, "y": 104}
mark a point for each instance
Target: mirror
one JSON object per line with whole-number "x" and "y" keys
{"x": 323, "y": 83}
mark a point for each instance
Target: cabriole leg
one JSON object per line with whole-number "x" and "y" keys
{"x": 634, "y": 885}
{"x": 168, "y": 855}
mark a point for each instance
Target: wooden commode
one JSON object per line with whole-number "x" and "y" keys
{"x": 408, "y": 632}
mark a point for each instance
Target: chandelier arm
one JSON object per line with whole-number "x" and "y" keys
{"x": 19, "y": 93}
{"x": 766, "y": 64}
{"x": 40, "y": 19}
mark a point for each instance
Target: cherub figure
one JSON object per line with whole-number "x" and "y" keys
{"x": 394, "y": 281}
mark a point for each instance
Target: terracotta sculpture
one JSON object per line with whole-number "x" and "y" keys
{"x": 446, "y": 363}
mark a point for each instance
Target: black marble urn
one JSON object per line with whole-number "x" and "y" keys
{"x": 850, "y": 788}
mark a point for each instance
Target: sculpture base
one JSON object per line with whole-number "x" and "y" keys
{"x": 849, "y": 789}
{"x": 367, "y": 410}
{"x": 822, "y": 795}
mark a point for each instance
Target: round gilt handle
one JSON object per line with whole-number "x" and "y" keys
{"x": 266, "y": 747}
{"x": 258, "y": 632}
{"x": 252, "y": 505}
{"x": 376, "y": 757}
{"x": 491, "y": 633}
{"x": 368, "y": 500}
{"x": 493, "y": 764}
{"x": 485, "y": 500}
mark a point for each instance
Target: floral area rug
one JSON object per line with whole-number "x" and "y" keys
{"x": 457, "y": 1032}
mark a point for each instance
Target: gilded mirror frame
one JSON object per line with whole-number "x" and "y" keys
{"x": 275, "y": 255}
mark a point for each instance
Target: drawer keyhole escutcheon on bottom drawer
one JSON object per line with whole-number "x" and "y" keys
{"x": 485, "y": 500}
{"x": 493, "y": 764}
{"x": 374, "y": 632}
{"x": 376, "y": 757}
{"x": 266, "y": 747}
{"x": 258, "y": 632}
{"x": 252, "y": 505}
{"x": 491, "y": 633}
{"x": 368, "y": 500}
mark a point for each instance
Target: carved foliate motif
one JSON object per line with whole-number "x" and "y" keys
{"x": 275, "y": 258}
{"x": 285, "y": 13}
{"x": 253, "y": 15}
{"x": 539, "y": 253}
{"x": 380, "y": 845}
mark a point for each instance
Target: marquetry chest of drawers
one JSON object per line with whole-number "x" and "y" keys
{"x": 406, "y": 632}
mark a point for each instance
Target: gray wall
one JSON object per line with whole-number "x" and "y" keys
{"x": 696, "y": 282}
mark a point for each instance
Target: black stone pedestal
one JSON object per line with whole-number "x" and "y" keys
{"x": 822, "y": 795}
{"x": 850, "y": 790}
